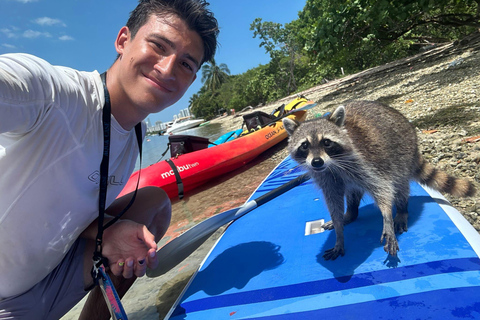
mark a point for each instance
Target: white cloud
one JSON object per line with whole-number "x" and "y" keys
{"x": 66, "y": 38}
{"x": 31, "y": 34}
{"x": 8, "y": 46}
{"x": 46, "y": 21}
{"x": 26, "y": 1}
{"x": 9, "y": 33}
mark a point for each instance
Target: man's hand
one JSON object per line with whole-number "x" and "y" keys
{"x": 130, "y": 248}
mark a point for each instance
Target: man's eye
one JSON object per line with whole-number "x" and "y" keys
{"x": 188, "y": 66}
{"x": 159, "y": 46}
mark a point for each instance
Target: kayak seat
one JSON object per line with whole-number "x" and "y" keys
{"x": 257, "y": 119}
{"x": 182, "y": 144}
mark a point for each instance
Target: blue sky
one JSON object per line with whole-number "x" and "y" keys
{"x": 80, "y": 34}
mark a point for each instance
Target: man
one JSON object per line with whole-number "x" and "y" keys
{"x": 51, "y": 147}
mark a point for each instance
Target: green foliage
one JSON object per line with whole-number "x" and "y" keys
{"x": 357, "y": 34}
{"x": 329, "y": 36}
{"x": 214, "y": 75}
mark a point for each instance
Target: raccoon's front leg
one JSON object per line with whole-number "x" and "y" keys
{"x": 388, "y": 234}
{"x": 334, "y": 200}
{"x": 353, "y": 202}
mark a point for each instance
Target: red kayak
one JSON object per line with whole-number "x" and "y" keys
{"x": 195, "y": 168}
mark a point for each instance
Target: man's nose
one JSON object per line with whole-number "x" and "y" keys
{"x": 166, "y": 66}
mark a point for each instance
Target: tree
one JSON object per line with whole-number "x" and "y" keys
{"x": 213, "y": 75}
{"x": 193, "y": 102}
{"x": 279, "y": 41}
{"x": 357, "y": 34}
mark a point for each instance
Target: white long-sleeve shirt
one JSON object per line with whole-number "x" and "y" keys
{"x": 51, "y": 142}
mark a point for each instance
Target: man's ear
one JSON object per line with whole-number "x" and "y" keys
{"x": 122, "y": 38}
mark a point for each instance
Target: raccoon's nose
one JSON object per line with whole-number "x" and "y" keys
{"x": 317, "y": 162}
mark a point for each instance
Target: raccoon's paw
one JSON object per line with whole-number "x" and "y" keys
{"x": 391, "y": 244}
{"x": 400, "y": 223}
{"x": 328, "y": 225}
{"x": 332, "y": 254}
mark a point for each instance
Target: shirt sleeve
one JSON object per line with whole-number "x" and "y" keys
{"x": 26, "y": 92}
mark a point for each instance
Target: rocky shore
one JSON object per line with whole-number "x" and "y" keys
{"x": 438, "y": 91}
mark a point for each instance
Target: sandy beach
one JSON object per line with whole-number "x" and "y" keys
{"x": 429, "y": 89}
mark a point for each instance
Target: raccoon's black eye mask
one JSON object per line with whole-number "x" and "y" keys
{"x": 327, "y": 143}
{"x": 304, "y": 146}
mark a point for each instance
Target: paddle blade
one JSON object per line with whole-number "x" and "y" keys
{"x": 306, "y": 107}
{"x": 181, "y": 247}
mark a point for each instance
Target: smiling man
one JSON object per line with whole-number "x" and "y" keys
{"x": 155, "y": 67}
{"x": 52, "y": 143}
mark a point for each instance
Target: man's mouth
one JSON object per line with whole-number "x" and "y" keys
{"x": 159, "y": 84}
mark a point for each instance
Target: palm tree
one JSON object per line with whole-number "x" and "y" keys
{"x": 214, "y": 75}
{"x": 193, "y": 103}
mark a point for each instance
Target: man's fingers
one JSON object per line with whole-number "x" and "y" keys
{"x": 148, "y": 238}
{"x": 133, "y": 267}
{"x": 117, "y": 268}
{"x": 141, "y": 268}
{"x": 152, "y": 261}
{"x": 128, "y": 268}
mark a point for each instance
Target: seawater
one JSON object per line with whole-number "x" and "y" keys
{"x": 154, "y": 146}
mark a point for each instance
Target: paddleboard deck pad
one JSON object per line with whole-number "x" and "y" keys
{"x": 269, "y": 265}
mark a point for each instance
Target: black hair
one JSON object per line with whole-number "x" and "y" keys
{"x": 194, "y": 12}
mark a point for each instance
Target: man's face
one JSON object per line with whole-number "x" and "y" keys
{"x": 159, "y": 64}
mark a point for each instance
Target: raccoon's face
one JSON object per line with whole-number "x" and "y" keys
{"x": 318, "y": 144}
{"x": 315, "y": 149}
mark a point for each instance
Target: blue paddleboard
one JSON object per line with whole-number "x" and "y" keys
{"x": 269, "y": 264}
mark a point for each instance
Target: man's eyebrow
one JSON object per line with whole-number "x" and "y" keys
{"x": 172, "y": 45}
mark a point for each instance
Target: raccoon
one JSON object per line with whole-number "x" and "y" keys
{"x": 366, "y": 146}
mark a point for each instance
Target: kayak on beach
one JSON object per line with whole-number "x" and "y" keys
{"x": 258, "y": 119}
{"x": 268, "y": 264}
{"x": 186, "y": 171}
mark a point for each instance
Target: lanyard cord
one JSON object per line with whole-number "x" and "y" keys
{"x": 97, "y": 256}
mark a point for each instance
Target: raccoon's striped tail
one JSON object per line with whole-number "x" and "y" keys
{"x": 441, "y": 181}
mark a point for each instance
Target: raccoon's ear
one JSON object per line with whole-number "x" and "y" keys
{"x": 290, "y": 125}
{"x": 338, "y": 116}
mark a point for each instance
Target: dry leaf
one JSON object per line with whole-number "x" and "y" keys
{"x": 472, "y": 139}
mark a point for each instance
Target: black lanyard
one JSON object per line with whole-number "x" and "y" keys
{"x": 97, "y": 256}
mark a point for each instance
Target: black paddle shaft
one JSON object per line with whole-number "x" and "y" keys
{"x": 282, "y": 189}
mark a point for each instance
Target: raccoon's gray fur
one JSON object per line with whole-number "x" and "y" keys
{"x": 366, "y": 146}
